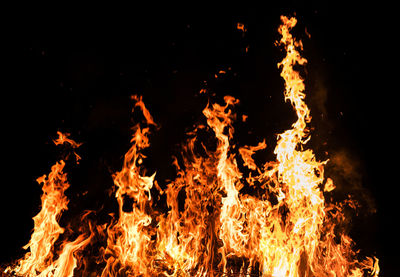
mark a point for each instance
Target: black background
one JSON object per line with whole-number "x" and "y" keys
{"x": 73, "y": 69}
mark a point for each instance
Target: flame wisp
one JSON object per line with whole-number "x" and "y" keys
{"x": 211, "y": 227}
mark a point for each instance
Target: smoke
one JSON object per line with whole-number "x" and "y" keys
{"x": 350, "y": 177}
{"x": 319, "y": 97}
{"x": 333, "y": 141}
{"x": 346, "y": 167}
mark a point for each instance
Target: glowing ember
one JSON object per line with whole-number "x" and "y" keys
{"x": 211, "y": 227}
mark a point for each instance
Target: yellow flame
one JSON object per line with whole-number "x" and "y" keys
{"x": 128, "y": 239}
{"x": 39, "y": 261}
{"x": 211, "y": 227}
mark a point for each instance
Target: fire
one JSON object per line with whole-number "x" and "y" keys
{"x": 211, "y": 227}
{"x": 240, "y": 26}
{"x": 128, "y": 244}
{"x": 46, "y": 229}
{"x": 63, "y": 139}
{"x": 39, "y": 261}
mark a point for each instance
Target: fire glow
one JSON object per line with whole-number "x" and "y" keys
{"x": 288, "y": 230}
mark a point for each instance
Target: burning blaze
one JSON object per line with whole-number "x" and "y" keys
{"x": 128, "y": 245}
{"x": 290, "y": 231}
{"x": 39, "y": 261}
{"x": 212, "y": 228}
{"x": 46, "y": 229}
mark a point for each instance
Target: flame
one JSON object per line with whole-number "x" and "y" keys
{"x": 246, "y": 152}
{"x": 291, "y": 232}
{"x": 63, "y": 139}
{"x": 46, "y": 229}
{"x": 128, "y": 243}
{"x": 65, "y": 265}
{"x": 300, "y": 241}
{"x": 212, "y": 227}
{"x": 240, "y": 26}
{"x": 39, "y": 261}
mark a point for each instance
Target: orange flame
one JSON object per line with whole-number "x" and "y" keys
{"x": 212, "y": 228}
{"x": 129, "y": 238}
{"x": 39, "y": 260}
{"x": 63, "y": 139}
{"x": 46, "y": 229}
{"x": 240, "y": 26}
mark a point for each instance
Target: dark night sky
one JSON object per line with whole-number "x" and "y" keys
{"x": 74, "y": 71}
